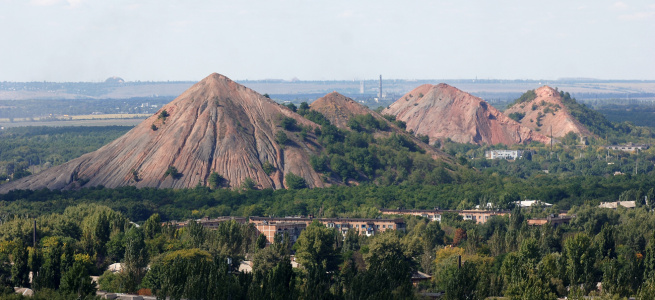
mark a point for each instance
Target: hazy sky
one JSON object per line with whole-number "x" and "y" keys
{"x": 90, "y": 40}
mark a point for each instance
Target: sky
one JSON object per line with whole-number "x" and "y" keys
{"x": 159, "y": 40}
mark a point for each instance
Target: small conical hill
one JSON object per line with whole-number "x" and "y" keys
{"x": 442, "y": 111}
{"x": 543, "y": 110}
{"x": 216, "y": 126}
{"x": 339, "y": 110}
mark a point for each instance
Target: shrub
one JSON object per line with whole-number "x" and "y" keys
{"x": 281, "y": 138}
{"x": 215, "y": 180}
{"x": 516, "y": 116}
{"x": 289, "y": 124}
{"x": 172, "y": 171}
{"x": 268, "y": 168}
{"x": 163, "y": 115}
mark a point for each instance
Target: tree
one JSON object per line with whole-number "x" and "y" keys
{"x": 289, "y": 124}
{"x": 49, "y": 274}
{"x": 77, "y": 280}
{"x": 152, "y": 226}
{"x": 315, "y": 246}
{"x": 294, "y": 181}
{"x": 248, "y": 184}
{"x": 261, "y": 241}
{"x": 281, "y": 138}
{"x": 215, "y": 180}
{"x": 269, "y": 257}
{"x": 292, "y": 107}
{"x": 460, "y": 236}
{"x": 172, "y": 171}
{"x": 163, "y": 115}
{"x": 580, "y": 260}
{"x": 20, "y": 269}
{"x": 462, "y": 282}
{"x": 136, "y": 259}
{"x": 389, "y": 268}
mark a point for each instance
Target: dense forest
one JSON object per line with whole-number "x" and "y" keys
{"x": 503, "y": 257}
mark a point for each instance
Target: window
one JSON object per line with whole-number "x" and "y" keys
{"x": 384, "y": 226}
{"x": 377, "y": 226}
{"x": 363, "y": 226}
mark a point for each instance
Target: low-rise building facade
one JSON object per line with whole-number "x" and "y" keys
{"x": 207, "y": 222}
{"x": 270, "y": 227}
{"x": 629, "y": 147}
{"x": 503, "y": 154}
{"x": 478, "y": 216}
{"x": 294, "y": 225}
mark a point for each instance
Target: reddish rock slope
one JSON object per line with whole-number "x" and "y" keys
{"x": 216, "y": 125}
{"x": 442, "y": 111}
{"x": 339, "y": 109}
{"x": 546, "y": 111}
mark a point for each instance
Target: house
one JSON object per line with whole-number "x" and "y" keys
{"x": 629, "y": 147}
{"x": 478, "y": 216}
{"x": 503, "y": 154}
{"x": 419, "y": 276}
{"x": 294, "y": 225}
{"x": 366, "y": 227}
{"x": 207, "y": 222}
{"x": 530, "y": 203}
{"x": 616, "y": 204}
{"x": 270, "y": 227}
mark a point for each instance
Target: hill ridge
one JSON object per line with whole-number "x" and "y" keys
{"x": 442, "y": 111}
{"x": 545, "y": 111}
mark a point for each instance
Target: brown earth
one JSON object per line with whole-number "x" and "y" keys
{"x": 339, "y": 109}
{"x": 442, "y": 111}
{"x": 217, "y": 125}
{"x": 547, "y": 111}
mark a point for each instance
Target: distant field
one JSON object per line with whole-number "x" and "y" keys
{"x": 97, "y": 122}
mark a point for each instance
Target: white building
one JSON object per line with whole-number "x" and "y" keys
{"x": 504, "y": 154}
{"x": 615, "y": 205}
{"x": 529, "y": 203}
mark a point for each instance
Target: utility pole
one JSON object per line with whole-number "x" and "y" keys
{"x": 551, "y": 138}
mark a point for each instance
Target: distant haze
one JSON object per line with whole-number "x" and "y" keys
{"x": 91, "y": 40}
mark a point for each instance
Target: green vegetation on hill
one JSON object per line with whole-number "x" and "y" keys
{"x": 599, "y": 125}
{"x": 357, "y": 155}
{"x": 526, "y": 97}
{"x": 594, "y": 120}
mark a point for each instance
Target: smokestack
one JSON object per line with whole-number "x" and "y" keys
{"x": 380, "y": 87}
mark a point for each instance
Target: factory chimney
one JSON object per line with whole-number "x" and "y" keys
{"x": 380, "y": 96}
